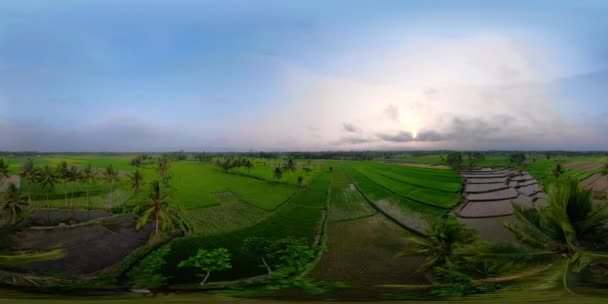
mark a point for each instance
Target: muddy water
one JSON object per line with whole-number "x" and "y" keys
{"x": 491, "y": 229}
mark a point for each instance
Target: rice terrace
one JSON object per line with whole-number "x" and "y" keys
{"x": 303, "y": 151}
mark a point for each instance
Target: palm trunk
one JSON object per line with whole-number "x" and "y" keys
{"x": 65, "y": 191}
{"x": 267, "y": 267}
{"x": 29, "y": 191}
{"x": 88, "y": 201}
{"x": 205, "y": 278}
{"x": 156, "y": 220}
{"x": 111, "y": 195}
{"x": 48, "y": 205}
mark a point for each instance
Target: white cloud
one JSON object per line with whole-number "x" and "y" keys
{"x": 475, "y": 92}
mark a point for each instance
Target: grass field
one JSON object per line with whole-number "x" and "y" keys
{"x": 300, "y": 217}
{"x": 263, "y": 169}
{"x": 345, "y": 201}
{"x": 201, "y": 184}
{"x": 434, "y": 187}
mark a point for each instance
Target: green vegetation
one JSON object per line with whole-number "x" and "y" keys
{"x": 298, "y": 218}
{"x": 345, "y": 201}
{"x": 433, "y": 187}
{"x": 248, "y": 216}
{"x": 207, "y": 261}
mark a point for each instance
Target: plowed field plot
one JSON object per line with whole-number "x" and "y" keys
{"x": 598, "y": 183}
{"x": 89, "y": 246}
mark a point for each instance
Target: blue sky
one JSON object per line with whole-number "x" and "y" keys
{"x": 302, "y": 75}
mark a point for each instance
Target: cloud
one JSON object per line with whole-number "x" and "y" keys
{"x": 429, "y": 136}
{"x": 392, "y": 112}
{"x": 401, "y": 136}
{"x": 121, "y": 134}
{"x": 351, "y": 128}
{"x": 354, "y": 140}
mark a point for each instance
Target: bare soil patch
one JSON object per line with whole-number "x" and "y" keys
{"x": 90, "y": 246}
{"x": 598, "y": 183}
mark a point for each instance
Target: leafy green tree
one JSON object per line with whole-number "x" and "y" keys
{"x": 148, "y": 274}
{"x": 208, "y": 261}
{"x": 88, "y": 177}
{"x": 291, "y": 256}
{"x": 63, "y": 173}
{"x": 605, "y": 169}
{"x": 3, "y": 171}
{"x": 158, "y": 210}
{"x": 30, "y": 173}
{"x": 517, "y": 158}
{"x": 164, "y": 164}
{"x": 454, "y": 160}
{"x": 248, "y": 165}
{"x": 47, "y": 180}
{"x": 443, "y": 237}
{"x": 111, "y": 176}
{"x": 277, "y": 173}
{"x": 290, "y": 165}
{"x": 474, "y": 157}
{"x": 262, "y": 247}
{"x": 570, "y": 233}
{"x": 137, "y": 180}
{"x": 15, "y": 204}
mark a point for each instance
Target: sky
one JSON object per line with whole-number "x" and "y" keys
{"x": 126, "y": 76}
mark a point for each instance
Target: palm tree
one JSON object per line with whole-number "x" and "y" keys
{"x": 3, "y": 171}
{"x": 277, "y": 173}
{"x": 30, "y": 174}
{"x": 248, "y": 165}
{"x": 164, "y": 164}
{"x": 75, "y": 176}
{"x": 63, "y": 173}
{"x": 158, "y": 210}
{"x": 557, "y": 171}
{"x": 111, "y": 176}
{"x": 14, "y": 203}
{"x": 570, "y": 233}
{"x": 137, "y": 180}
{"x": 442, "y": 238}
{"x": 47, "y": 179}
{"x": 87, "y": 177}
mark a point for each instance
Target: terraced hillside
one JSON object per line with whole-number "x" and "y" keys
{"x": 489, "y": 193}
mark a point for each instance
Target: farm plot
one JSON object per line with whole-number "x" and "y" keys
{"x": 405, "y": 211}
{"x": 300, "y": 217}
{"x": 433, "y": 187}
{"x": 345, "y": 200}
{"x": 489, "y": 193}
{"x": 263, "y": 169}
{"x": 362, "y": 253}
{"x": 197, "y": 185}
{"x": 598, "y": 183}
{"x": 90, "y": 246}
